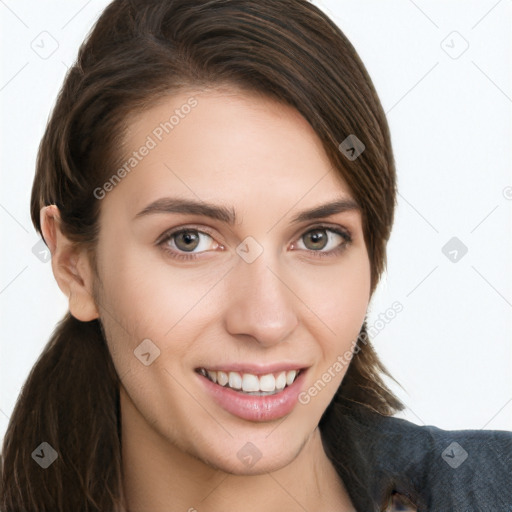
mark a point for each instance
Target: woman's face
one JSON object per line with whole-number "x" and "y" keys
{"x": 229, "y": 246}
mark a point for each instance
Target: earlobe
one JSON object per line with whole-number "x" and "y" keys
{"x": 71, "y": 266}
{"x": 82, "y": 307}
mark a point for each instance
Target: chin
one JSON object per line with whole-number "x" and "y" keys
{"x": 256, "y": 457}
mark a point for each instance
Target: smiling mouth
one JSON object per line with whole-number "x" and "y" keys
{"x": 250, "y": 384}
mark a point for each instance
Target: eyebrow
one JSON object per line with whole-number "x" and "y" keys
{"x": 228, "y": 215}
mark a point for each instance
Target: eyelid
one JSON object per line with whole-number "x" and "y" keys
{"x": 335, "y": 228}
{"x": 188, "y": 227}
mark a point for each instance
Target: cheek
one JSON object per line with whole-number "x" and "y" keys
{"x": 143, "y": 297}
{"x": 340, "y": 301}
{"x": 339, "y": 297}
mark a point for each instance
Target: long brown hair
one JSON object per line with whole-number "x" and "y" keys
{"x": 138, "y": 51}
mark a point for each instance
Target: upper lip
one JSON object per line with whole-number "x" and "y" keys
{"x": 254, "y": 368}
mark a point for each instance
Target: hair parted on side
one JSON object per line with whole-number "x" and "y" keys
{"x": 138, "y": 52}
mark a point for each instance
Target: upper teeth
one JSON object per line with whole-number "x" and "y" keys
{"x": 249, "y": 382}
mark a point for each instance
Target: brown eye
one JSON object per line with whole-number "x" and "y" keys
{"x": 188, "y": 243}
{"x": 316, "y": 240}
{"x": 186, "y": 240}
{"x": 324, "y": 241}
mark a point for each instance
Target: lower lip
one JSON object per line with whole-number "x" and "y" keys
{"x": 253, "y": 407}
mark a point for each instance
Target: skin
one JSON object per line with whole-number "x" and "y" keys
{"x": 264, "y": 161}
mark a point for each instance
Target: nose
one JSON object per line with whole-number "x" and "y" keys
{"x": 260, "y": 304}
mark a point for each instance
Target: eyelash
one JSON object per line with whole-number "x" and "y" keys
{"x": 162, "y": 241}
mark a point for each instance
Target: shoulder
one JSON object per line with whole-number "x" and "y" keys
{"x": 454, "y": 447}
{"x": 455, "y": 470}
{"x": 450, "y": 469}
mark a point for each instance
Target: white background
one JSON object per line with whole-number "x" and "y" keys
{"x": 450, "y": 120}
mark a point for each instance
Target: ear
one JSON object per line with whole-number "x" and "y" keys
{"x": 70, "y": 265}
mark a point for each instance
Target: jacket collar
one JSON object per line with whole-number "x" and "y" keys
{"x": 376, "y": 455}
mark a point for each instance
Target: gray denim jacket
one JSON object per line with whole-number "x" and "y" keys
{"x": 437, "y": 470}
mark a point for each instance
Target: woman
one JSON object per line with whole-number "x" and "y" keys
{"x": 216, "y": 185}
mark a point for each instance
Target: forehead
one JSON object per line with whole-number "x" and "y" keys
{"x": 227, "y": 146}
